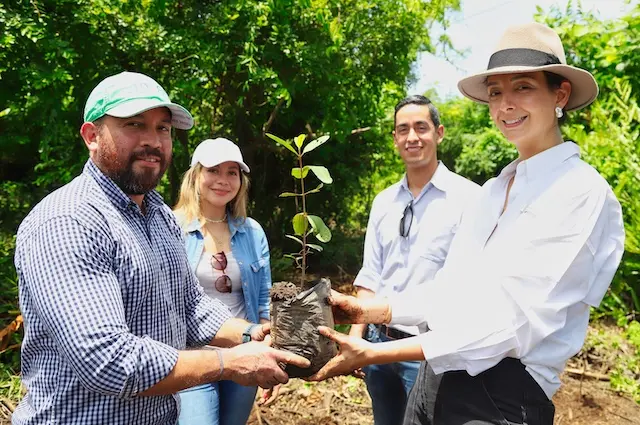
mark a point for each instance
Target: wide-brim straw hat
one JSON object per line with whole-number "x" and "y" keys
{"x": 529, "y": 48}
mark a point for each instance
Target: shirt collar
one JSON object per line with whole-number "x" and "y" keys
{"x": 439, "y": 180}
{"x": 543, "y": 162}
{"x": 193, "y": 226}
{"x": 441, "y": 177}
{"x": 236, "y": 225}
{"x": 152, "y": 199}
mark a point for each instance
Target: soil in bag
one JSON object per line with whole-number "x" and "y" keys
{"x": 295, "y": 318}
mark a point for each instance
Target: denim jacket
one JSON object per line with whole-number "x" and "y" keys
{"x": 251, "y": 249}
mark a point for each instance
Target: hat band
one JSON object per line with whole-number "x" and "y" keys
{"x": 521, "y": 57}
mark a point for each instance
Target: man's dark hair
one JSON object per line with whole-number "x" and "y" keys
{"x": 417, "y": 99}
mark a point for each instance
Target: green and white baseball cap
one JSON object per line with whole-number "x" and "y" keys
{"x": 130, "y": 93}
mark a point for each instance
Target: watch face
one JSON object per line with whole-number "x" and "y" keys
{"x": 246, "y": 335}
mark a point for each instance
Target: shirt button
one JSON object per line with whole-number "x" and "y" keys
{"x": 240, "y": 262}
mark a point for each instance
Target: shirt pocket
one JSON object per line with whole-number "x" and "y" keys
{"x": 435, "y": 250}
{"x": 533, "y": 227}
{"x": 436, "y": 242}
{"x": 389, "y": 230}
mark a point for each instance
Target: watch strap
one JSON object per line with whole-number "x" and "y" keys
{"x": 246, "y": 335}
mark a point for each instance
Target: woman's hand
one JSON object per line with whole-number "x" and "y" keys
{"x": 346, "y": 308}
{"x": 354, "y": 354}
{"x": 261, "y": 332}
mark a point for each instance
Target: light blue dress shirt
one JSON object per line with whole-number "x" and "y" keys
{"x": 393, "y": 264}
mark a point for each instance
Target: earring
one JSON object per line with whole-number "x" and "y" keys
{"x": 559, "y": 112}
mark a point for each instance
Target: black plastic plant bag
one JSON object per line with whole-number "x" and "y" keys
{"x": 294, "y": 324}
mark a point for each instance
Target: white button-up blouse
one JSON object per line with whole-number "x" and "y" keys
{"x": 519, "y": 283}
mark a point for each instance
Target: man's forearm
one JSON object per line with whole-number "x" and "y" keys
{"x": 194, "y": 367}
{"x": 358, "y": 329}
{"x": 376, "y": 310}
{"x": 350, "y": 310}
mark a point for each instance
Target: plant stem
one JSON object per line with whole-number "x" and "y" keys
{"x": 304, "y": 235}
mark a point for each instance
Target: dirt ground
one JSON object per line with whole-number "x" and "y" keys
{"x": 344, "y": 401}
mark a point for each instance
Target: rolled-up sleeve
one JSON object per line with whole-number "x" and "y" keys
{"x": 264, "y": 298}
{"x": 370, "y": 275}
{"x": 67, "y": 269}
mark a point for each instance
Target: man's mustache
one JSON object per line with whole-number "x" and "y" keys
{"x": 148, "y": 152}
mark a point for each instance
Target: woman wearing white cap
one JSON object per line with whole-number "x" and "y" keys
{"x": 229, "y": 253}
{"x": 540, "y": 247}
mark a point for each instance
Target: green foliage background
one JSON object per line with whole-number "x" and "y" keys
{"x": 242, "y": 68}
{"x": 287, "y": 67}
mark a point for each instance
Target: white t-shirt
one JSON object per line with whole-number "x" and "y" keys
{"x": 207, "y": 276}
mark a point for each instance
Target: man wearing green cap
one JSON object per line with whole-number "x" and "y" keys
{"x": 109, "y": 300}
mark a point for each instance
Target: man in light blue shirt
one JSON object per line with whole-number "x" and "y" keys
{"x": 410, "y": 229}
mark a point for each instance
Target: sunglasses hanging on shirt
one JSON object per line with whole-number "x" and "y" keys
{"x": 219, "y": 262}
{"x": 406, "y": 220}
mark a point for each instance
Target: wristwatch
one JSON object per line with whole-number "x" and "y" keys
{"x": 246, "y": 335}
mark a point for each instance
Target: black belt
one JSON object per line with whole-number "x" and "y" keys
{"x": 393, "y": 333}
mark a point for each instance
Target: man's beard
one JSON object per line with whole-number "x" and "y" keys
{"x": 123, "y": 175}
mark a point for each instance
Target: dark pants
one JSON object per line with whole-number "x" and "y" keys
{"x": 506, "y": 394}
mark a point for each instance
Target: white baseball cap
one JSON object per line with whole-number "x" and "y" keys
{"x": 212, "y": 152}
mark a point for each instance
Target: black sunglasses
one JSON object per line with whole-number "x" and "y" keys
{"x": 406, "y": 220}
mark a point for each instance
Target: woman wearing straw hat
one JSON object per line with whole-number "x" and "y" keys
{"x": 537, "y": 250}
{"x": 229, "y": 253}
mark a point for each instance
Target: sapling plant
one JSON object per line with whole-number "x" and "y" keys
{"x": 304, "y": 224}
{"x": 297, "y": 312}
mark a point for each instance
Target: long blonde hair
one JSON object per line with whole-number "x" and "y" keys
{"x": 188, "y": 207}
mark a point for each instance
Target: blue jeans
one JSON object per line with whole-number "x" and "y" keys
{"x": 389, "y": 385}
{"x": 219, "y": 403}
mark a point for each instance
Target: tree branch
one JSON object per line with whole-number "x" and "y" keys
{"x": 360, "y": 130}
{"x": 579, "y": 372}
{"x": 272, "y": 117}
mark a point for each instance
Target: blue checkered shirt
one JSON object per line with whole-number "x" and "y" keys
{"x": 108, "y": 299}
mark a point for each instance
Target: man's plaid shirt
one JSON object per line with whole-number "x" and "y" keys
{"x": 108, "y": 299}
